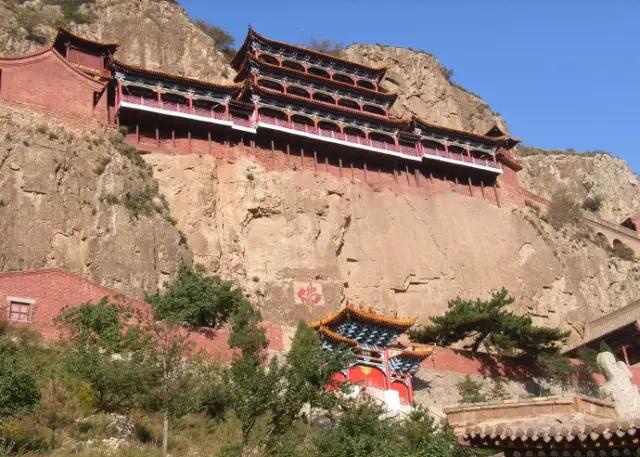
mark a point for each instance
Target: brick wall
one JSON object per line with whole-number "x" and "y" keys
{"x": 50, "y": 290}
{"x": 46, "y": 81}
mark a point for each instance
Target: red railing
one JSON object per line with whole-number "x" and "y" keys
{"x": 415, "y": 151}
{"x": 409, "y": 150}
{"x": 177, "y": 107}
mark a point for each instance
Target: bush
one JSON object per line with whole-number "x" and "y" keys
{"x": 325, "y": 46}
{"x": 223, "y": 41}
{"x": 592, "y": 204}
{"x": 563, "y": 210}
{"x": 470, "y": 390}
{"x": 140, "y": 202}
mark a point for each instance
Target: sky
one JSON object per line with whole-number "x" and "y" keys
{"x": 562, "y": 73}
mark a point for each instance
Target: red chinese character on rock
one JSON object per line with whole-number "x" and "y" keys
{"x": 308, "y": 295}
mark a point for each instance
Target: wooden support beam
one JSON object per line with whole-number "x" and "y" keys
{"x": 482, "y": 188}
{"x": 431, "y": 177}
{"x": 252, "y": 142}
{"x": 288, "y": 152}
{"x": 406, "y": 170}
{"x": 470, "y": 186}
{"x": 137, "y": 133}
{"x": 302, "y": 158}
{"x": 340, "y": 166}
{"x": 365, "y": 171}
{"x": 315, "y": 162}
{"x": 189, "y": 136}
{"x": 157, "y": 136}
{"x": 209, "y": 142}
{"x": 395, "y": 175}
{"x": 416, "y": 173}
{"x": 326, "y": 162}
{"x": 352, "y": 176}
{"x": 173, "y": 138}
{"x": 495, "y": 191}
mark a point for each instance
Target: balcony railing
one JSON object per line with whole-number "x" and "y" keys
{"x": 417, "y": 151}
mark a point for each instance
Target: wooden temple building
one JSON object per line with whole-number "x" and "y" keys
{"x": 547, "y": 427}
{"x": 285, "y": 99}
{"x": 383, "y": 368}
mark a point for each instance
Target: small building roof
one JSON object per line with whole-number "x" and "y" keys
{"x": 236, "y": 62}
{"x": 65, "y": 35}
{"x": 364, "y": 315}
{"x": 544, "y": 425}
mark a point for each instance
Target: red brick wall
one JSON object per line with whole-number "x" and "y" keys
{"x": 46, "y": 81}
{"x": 53, "y": 289}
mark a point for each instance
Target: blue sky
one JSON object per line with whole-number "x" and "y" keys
{"x": 563, "y": 73}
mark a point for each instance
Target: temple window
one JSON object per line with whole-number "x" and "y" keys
{"x": 319, "y": 72}
{"x": 376, "y": 136}
{"x": 268, "y": 59}
{"x": 271, "y": 85}
{"x": 348, "y": 104}
{"x": 366, "y": 84}
{"x": 321, "y": 97}
{"x": 299, "y": 119}
{"x": 293, "y": 65}
{"x": 343, "y": 79}
{"x": 300, "y": 92}
{"x": 325, "y": 125}
{"x": 141, "y": 92}
{"x": 354, "y": 132}
{"x": 374, "y": 109}
{"x": 20, "y": 309}
{"x": 269, "y": 112}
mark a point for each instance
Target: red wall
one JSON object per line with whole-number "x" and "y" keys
{"x": 45, "y": 80}
{"x": 53, "y": 289}
{"x": 367, "y": 376}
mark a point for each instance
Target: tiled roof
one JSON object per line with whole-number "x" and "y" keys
{"x": 359, "y": 313}
{"x": 237, "y": 60}
{"x": 242, "y": 74}
{"x": 62, "y": 32}
{"x": 484, "y": 138}
{"x": 155, "y": 73}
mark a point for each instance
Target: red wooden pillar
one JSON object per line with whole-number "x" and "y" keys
{"x": 387, "y": 370}
{"x": 190, "y": 98}
{"x": 495, "y": 191}
{"x": 625, "y": 355}
{"x": 410, "y": 386}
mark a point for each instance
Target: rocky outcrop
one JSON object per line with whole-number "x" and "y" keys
{"x": 596, "y": 176}
{"x": 425, "y": 90}
{"x": 302, "y": 244}
{"x": 155, "y": 34}
{"x": 77, "y": 198}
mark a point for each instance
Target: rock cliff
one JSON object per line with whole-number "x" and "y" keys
{"x": 78, "y": 198}
{"x": 598, "y": 176}
{"x": 301, "y": 244}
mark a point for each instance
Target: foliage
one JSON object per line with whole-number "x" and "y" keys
{"x": 105, "y": 352}
{"x": 196, "y": 298}
{"x": 563, "y": 210}
{"x": 18, "y": 390}
{"x": 57, "y": 409}
{"x": 325, "y": 46}
{"x": 470, "y": 390}
{"x": 498, "y": 391}
{"x": 312, "y": 367}
{"x": 29, "y": 19}
{"x": 593, "y": 203}
{"x": 223, "y": 41}
{"x": 447, "y": 72}
{"x": 71, "y": 10}
{"x": 487, "y": 323}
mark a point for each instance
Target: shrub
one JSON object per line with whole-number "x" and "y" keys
{"x": 223, "y": 41}
{"x": 325, "y": 46}
{"x": 563, "y": 210}
{"x": 140, "y": 202}
{"x": 592, "y": 204}
{"x": 470, "y": 390}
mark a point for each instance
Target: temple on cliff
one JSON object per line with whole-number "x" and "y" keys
{"x": 324, "y": 110}
{"x": 383, "y": 368}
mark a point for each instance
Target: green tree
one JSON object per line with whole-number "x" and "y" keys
{"x": 196, "y": 298}
{"x": 57, "y": 408}
{"x": 105, "y": 352}
{"x": 487, "y": 323}
{"x": 311, "y": 369}
{"x": 18, "y": 390}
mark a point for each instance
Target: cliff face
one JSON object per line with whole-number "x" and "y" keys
{"x": 301, "y": 244}
{"x": 155, "y": 34}
{"x": 595, "y": 176}
{"x": 424, "y": 90}
{"x": 63, "y": 202}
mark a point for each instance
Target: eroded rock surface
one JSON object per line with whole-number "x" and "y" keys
{"x": 58, "y": 190}
{"x": 289, "y": 235}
